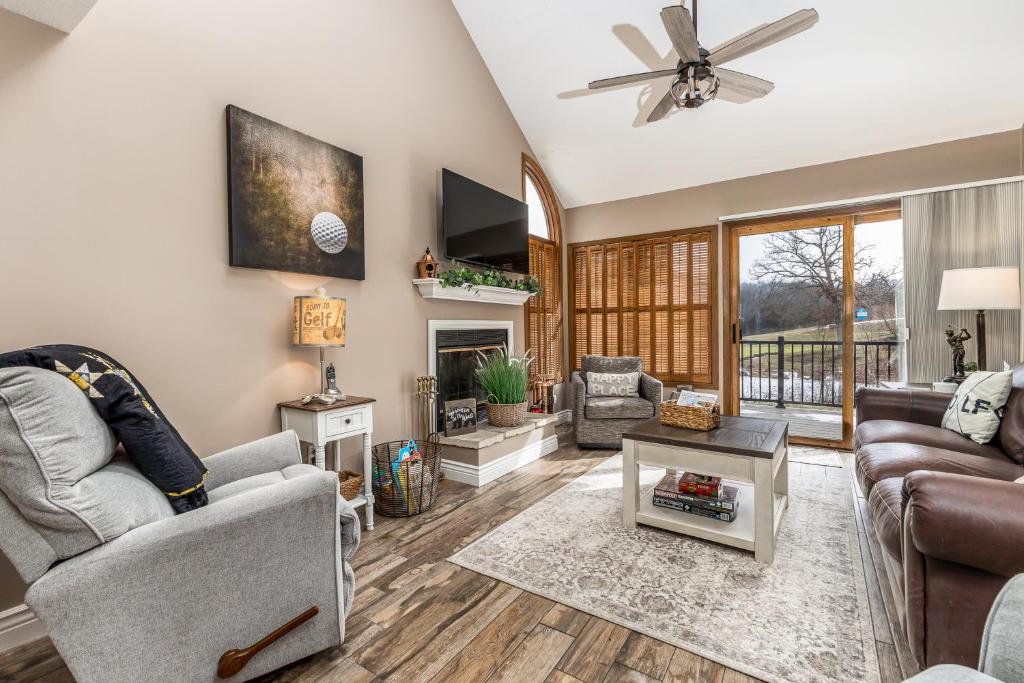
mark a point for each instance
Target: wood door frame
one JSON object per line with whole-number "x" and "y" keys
{"x": 846, "y": 216}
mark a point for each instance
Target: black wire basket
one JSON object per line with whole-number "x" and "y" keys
{"x": 402, "y": 488}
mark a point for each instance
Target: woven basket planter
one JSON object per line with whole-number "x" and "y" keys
{"x": 349, "y": 484}
{"x": 506, "y": 414}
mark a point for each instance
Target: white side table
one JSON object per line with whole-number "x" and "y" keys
{"x": 319, "y": 424}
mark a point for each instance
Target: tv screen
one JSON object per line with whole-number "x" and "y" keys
{"x": 483, "y": 226}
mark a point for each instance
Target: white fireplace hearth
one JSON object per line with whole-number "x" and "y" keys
{"x": 486, "y": 454}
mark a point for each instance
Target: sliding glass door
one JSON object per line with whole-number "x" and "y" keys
{"x": 790, "y": 327}
{"x": 813, "y": 315}
{"x": 879, "y": 324}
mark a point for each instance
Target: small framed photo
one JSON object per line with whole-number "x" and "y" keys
{"x": 459, "y": 416}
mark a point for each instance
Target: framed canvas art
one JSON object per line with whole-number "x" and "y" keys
{"x": 295, "y": 203}
{"x": 459, "y": 416}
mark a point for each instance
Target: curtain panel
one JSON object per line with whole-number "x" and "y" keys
{"x": 963, "y": 228}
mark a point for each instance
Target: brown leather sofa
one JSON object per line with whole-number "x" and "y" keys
{"x": 947, "y": 513}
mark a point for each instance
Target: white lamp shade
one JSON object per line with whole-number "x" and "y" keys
{"x": 979, "y": 289}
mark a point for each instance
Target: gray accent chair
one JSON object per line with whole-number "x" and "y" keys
{"x": 1002, "y": 645}
{"x": 600, "y": 421}
{"x": 129, "y": 591}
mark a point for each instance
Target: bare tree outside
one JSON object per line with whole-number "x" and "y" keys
{"x": 792, "y": 287}
{"x": 811, "y": 260}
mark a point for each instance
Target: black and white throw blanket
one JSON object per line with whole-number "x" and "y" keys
{"x": 148, "y": 438}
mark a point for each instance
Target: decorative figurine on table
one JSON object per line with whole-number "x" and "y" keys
{"x": 956, "y": 344}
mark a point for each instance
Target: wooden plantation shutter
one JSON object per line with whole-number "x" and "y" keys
{"x": 544, "y": 334}
{"x": 544, "y": 311}
{"x": 651, "y": 297}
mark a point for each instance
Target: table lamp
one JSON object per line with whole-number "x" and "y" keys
{"x": 320, "y": 322}
{"x": 979, "y": 289}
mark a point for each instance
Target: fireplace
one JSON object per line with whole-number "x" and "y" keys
{"x": 452, "y": 359}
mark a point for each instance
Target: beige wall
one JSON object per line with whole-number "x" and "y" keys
{"x": 988, "y": 156}
{"x": 113, "y": 188}
{"x": 979, "y": 158}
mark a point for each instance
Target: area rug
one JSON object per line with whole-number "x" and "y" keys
{"x": 812, "y": 455}
{"x": 804, "y": 618}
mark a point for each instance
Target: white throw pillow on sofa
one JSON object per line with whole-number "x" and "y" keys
{"x": 977, "y": 405}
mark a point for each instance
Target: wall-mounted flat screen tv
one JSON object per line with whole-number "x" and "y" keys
{"x": 483, "y": 226}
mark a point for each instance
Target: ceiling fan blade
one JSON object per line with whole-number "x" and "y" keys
{"x": 636, "y": 42}
{"x": 743, "y": 84}
{"x": 666, "y": 105}
{"x": 632, "y": 78}
{"x": 680, "y": 29}
{"x": 763, "y": 36}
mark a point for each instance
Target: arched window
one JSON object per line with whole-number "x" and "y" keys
{"x": 539, "y": 225}
{"x": 544, "y": 312}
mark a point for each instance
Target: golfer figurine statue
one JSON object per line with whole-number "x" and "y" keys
{"x": 956, "y": 343}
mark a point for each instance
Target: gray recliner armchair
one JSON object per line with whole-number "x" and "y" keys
{"x": 129, "y": 591}
{"x": 600, "y": 421}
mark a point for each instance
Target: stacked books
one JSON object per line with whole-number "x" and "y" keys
{"x": 698, "y": 494}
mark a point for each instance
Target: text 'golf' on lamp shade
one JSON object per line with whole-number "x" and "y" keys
{"x": 319, "y": 320}
{"x": 979, "y": 289}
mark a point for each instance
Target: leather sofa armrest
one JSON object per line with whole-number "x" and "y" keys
{"x": 922, "y": 407}
{"x": 971, "y": 521}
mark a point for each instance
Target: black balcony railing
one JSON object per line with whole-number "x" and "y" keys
{"x": 811, "y": 372}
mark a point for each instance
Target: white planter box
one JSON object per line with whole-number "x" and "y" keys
{"x": 430, "y": 288}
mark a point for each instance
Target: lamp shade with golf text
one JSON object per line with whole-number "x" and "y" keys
{"x": 319, "y": 320}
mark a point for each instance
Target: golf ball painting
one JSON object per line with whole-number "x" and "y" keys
{"x": 295, "y": 202}
{"x": 329, "y": 232}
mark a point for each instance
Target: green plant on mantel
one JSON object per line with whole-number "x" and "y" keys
{"x": 460, "y": 276}
{"x": 503, "y": 376}
{"x": 970, "y": 366}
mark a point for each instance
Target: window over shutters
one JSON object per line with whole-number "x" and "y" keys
{"x": 544, "y": 333}
{"x": 652, "y": 297}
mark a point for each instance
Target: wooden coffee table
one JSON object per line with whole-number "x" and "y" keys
{"x": 748, "y": 452}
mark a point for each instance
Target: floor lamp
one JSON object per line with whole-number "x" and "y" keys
{"x": 980, "y": 289}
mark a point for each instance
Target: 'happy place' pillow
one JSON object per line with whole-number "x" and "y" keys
{"x": 613, "y": 383}
{"x": 977, "y": 406}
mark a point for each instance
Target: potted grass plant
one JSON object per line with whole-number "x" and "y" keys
{"x": 504, "y": 377}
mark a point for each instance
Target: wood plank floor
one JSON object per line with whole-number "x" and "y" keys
{"x": 417, "y": 617}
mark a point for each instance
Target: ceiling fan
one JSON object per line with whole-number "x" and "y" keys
{"x": 699, "y": 76}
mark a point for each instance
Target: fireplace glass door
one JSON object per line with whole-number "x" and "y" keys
{"x": 457, "y": 354}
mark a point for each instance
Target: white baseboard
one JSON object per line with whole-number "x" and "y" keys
{"x": 488, "y": 472}
{"x": 564, "y": 416}
{"x": 19, "y": 626}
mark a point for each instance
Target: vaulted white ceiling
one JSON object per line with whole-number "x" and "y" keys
{"x": 870, "y": 77}
{"x": 63, "y": 15}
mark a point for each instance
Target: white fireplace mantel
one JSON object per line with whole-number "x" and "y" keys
{"x": 430, "y": 288}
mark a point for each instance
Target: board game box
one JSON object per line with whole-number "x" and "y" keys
{"x": 726, "y": 499}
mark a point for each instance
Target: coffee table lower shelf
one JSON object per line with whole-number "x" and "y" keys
{"x": 738, "y": 533}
